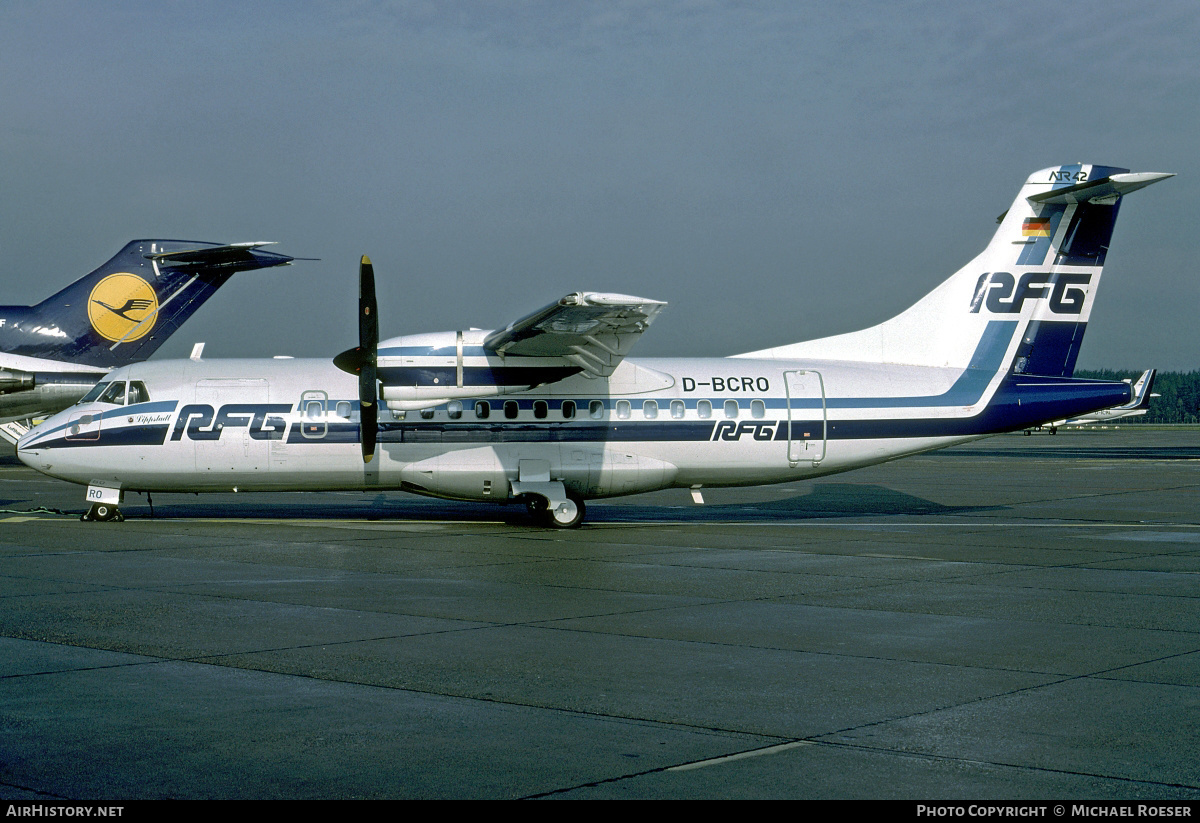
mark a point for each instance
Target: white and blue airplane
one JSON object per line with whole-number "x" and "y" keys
{"x": 51, "y": 354}
{"x": 1136, "y": 407}
{"x": 549, "y": 411}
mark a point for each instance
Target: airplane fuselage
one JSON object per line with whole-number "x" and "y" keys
{"x": 281, "y": 424}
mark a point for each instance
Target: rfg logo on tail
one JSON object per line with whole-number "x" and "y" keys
{"x": 1004, "y": 294}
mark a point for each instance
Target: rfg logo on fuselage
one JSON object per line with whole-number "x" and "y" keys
{"x": 263, "y": 420}
{"x": 733, "y": 430}
{"x": 1004, "y": 294}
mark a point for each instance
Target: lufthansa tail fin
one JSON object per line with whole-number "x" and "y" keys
{"x": 1026, "y": 298}
{"x": 124, "y": 310}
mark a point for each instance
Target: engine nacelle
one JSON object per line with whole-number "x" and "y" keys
{"x": 410, "y": 398}
{"x": 418, "y": 371}
{"x": 13, "y": 380}
{"x": 467, "y": 474}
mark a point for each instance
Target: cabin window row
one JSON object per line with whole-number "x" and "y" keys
{"x": 622, "y": 410}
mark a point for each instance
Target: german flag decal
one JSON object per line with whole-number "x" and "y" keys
{"x": 1036, "y": 227}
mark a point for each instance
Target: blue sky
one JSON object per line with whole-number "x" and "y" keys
{"x": 774, "y": 171}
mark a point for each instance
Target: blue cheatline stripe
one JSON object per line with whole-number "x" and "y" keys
{"x": 967, "y": 390}
{"x": 117, "y": 411}
{"x": 1020, "y": 402}
{"x": 149, "y": 435}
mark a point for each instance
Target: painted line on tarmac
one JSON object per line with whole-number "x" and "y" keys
{"x": 717, "y": 761}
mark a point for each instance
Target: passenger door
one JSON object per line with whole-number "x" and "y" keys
{"x": 807, "y": 417}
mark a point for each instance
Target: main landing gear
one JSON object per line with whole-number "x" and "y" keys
{"x": 567, "y": 514}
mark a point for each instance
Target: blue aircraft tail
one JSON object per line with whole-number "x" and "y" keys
{"x": 124, "y": 310}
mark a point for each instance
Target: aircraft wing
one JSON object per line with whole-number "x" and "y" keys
{"x": 592, "y": 330}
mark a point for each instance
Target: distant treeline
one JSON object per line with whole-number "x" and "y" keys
{"x": 1179, "y": 400}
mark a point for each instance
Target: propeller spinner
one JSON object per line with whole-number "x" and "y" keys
{"x": 362, "y": 360}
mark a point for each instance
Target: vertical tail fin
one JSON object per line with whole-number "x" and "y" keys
{"x": 1143, "y": 389}
{"x": 1031, "y": 289}
{"x": 124, "y": 310}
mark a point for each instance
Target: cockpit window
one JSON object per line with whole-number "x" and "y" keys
{"x": 115, "y": 393}
{"x": 96, "y": 391}
{"x": 137, "y": 392}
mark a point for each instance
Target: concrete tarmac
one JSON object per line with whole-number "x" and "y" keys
{"x": 1014, "y": 619}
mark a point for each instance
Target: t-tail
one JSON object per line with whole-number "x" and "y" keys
{"x": 1026, "y": 298}
{"x": 124, "y": 310}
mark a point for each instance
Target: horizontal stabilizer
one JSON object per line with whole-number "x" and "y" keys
{"x": 1104, "y": 189}
{"x": 237, "y": 256}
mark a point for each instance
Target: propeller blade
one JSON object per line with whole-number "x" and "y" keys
{"x": 368, "y": 421}
{"x": 368, "y": 344}
{"x": 362, "y": 359}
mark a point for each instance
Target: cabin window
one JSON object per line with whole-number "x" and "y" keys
{"x": 314, "y": 426}
{"x": 114, "y": 394}
{"x": 96, "y": 391}
{"x": 650, "y": 409}
{"x": 704, "y": 409}
{"x": 596, "y": 409}
{"x": 731, "y": 409}
{"x": 511, "y": 409}
{"x": 454, "y": 409}
{"x": 137, "y": 392}
{"x": 677, "y": 409}
{"x": 483, "y": 409}
{"x": 540, "y": 409}
{"x": 568, "y": 409}
{"x": 426, "y": 414}
{"x": 623, "y": 409}
{"x": 758, "y": 408}
{"x": 343, "y": 409}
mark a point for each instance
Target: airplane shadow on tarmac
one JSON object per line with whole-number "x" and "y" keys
{"x": 824, "y": 500}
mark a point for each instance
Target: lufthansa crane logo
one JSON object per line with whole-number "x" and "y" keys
{"x": 122, "y": 307}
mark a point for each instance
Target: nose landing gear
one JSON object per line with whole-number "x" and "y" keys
{"x": 102, "y": 512}
{"x": 105, "y": 501}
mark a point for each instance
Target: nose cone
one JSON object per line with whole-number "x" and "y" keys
{"x": 34, "y": 448}
{"x": 27, "y": 450}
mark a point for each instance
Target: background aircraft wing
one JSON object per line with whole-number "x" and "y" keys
{"x": 592, "y": 330}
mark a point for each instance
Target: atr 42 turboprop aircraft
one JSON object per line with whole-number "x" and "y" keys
{"x": 51, "y": 354}
{"x": 1134, "y": 408}
{"x": 549, "y": 411}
